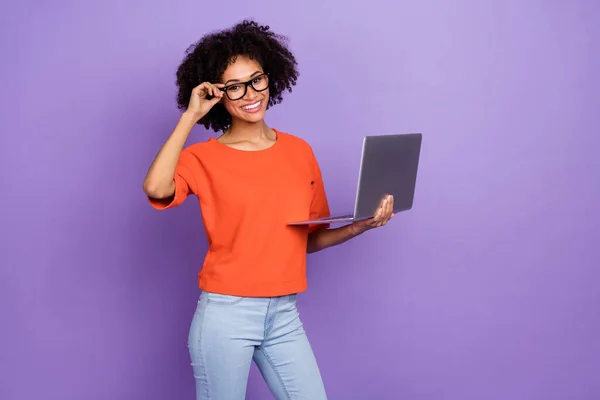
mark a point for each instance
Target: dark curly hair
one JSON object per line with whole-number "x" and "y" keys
{"x": 206, "y": 61}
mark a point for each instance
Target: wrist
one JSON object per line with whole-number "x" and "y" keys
{"x": 355, "y": 229}
{"x": 191, "y": 117}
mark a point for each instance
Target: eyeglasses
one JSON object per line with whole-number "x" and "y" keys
{"x": 236, "y": 91}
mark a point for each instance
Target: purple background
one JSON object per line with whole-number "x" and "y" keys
{"x": 488, "y": 289}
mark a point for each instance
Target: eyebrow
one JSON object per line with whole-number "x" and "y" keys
{"x": 251, "y": 76}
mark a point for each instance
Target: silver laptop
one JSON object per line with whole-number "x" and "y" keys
{"x": 388, "y": 165}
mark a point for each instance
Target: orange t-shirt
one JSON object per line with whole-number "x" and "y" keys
{"x": 247, "y": 199}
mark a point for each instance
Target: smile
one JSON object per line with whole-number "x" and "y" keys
{"x": 252, "y": 107}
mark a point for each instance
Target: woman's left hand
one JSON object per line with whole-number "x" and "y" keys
{"x": 384, "y": 213}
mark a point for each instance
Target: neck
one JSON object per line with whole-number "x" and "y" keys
{"x": 243, "y": 130}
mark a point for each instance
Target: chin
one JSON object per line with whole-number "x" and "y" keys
{"x": 254, "y": 118}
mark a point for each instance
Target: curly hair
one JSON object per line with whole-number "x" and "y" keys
{"x": 207, "y": 59}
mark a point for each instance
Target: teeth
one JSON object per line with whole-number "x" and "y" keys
{"x": 251, "y": 106}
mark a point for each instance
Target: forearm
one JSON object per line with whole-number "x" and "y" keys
{"x": 324, "y": 238}
{"x": 159, "y": 182}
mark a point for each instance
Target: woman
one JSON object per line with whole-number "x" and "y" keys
{"x": 250, "y": 181}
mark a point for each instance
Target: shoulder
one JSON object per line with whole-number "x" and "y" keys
{"x": 295, "y": 143}
{"x": 194, "y": 155}
{"x": 197, "y": 150}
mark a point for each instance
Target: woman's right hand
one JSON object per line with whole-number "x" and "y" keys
{"x": 199, "y": 104}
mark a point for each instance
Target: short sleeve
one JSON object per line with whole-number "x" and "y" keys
{"x": 319, "y": 206}
{"x": 185, "y": 182}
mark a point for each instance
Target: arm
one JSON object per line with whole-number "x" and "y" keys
{"x": 320, "y": 238}
{"x": 159, "y": 182}
{"x": 323, "y": 238}
{"x": 160, "y": 179}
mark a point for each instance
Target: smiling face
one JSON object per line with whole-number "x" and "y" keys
{"x": 245, "y": 75}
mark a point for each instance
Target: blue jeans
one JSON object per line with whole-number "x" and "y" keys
{"x": 228, "y": 332}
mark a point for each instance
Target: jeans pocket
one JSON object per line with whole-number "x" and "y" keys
{"x": 223, "y": 299}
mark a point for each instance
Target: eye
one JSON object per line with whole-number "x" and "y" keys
{"x": 258, "y": 79}
{"x": 233, "y": 87}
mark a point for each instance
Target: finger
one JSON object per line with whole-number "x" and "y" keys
{"x": 384, "y": 206}
{"x": 384, "y": 203}
{"x": 214, "y": 100}
{"x": 200, "y": 90}
{"x": 377, "y": 216}
{"x": 211, "y": 89}
{"x": 390, "y": 208}
{"x": 201, "y": 87}
{"x": 217, "y": 92}
{"x": 385, "y": 214}
{"x": 383, "y": 209}
{"x": 206, "y": 89}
